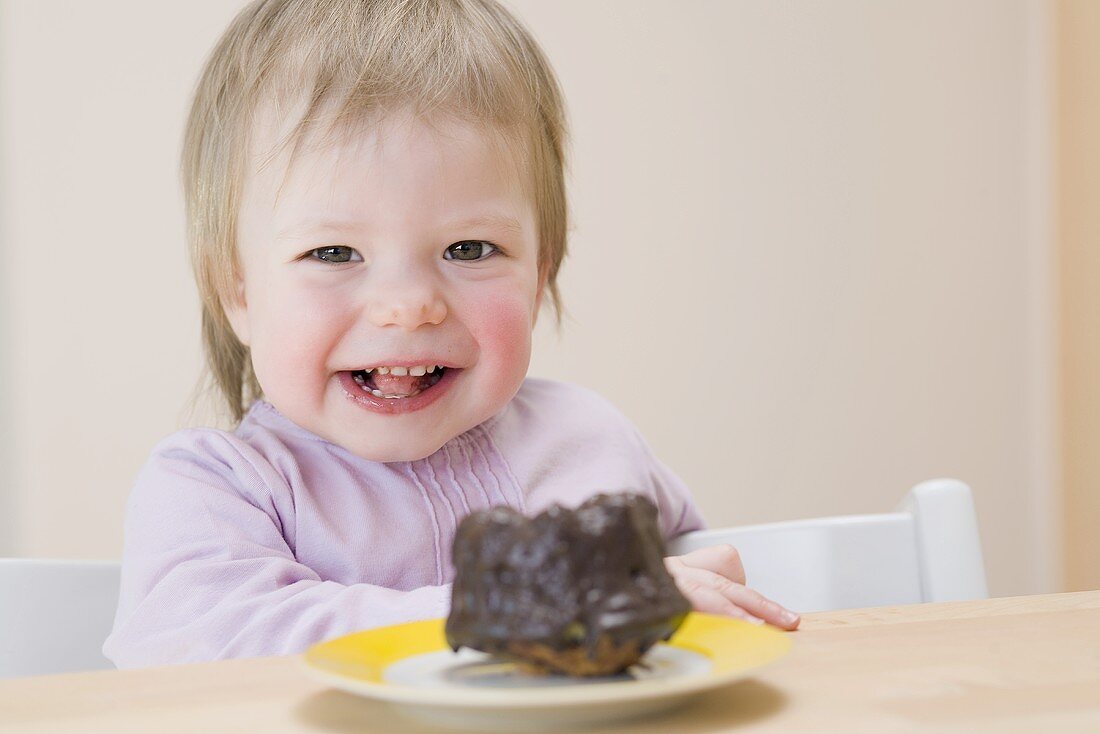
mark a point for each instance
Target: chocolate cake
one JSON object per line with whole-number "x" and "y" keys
{"x": 582, "y": 592}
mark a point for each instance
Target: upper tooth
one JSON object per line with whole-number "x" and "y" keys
{"x": 416, "y": 371}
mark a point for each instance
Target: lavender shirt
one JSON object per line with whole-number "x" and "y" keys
{"x": 268, "y": 539}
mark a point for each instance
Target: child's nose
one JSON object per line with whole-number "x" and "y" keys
{"x": 406, "y": 303}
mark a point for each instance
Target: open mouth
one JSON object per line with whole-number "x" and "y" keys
{"x": 398, "y": 383}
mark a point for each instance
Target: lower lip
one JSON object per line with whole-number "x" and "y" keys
{"x": 395, "y": 406}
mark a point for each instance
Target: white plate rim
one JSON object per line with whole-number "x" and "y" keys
{"x": 523, "y": 698}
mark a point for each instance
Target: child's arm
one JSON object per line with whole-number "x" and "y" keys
{"x": 713, "y": 580}
{"x": 208, "y": 572}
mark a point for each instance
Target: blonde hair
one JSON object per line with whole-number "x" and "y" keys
{"x": 350, "y": 60}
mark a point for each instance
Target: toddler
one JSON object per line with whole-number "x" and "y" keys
{"x": 376, "y": 210}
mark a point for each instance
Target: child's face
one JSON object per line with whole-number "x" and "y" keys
{"x": 408, "y": 246}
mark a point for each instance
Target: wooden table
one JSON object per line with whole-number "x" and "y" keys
{"x": 1020, "y": 664}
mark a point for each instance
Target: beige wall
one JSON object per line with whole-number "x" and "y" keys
{"x": 811, "y": 255}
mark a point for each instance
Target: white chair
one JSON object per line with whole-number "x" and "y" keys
{"x": 55, "y": 615}
{"x": 927, "y": 551}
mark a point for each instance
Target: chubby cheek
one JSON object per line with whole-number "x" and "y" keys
{"x": 293, "y": 337}
{"x": 501, "y": 324}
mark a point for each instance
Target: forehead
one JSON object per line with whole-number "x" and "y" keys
{"x": 442, "y": 161}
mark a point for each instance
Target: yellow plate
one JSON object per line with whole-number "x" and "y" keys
{"x": 412, "y": 664}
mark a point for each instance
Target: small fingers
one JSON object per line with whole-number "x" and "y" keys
{"x": 757, "y": 604}
{"x": 711, "y": 601}
{"x": 722, "y": 559}
{"x": 701, "y": 586}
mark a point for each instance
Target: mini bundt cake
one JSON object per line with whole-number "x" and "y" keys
{"x": 582, "y": 592}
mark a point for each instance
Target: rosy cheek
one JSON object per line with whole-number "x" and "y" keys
{"x": 503, "y": 331}
{"x": 296, "y": 333}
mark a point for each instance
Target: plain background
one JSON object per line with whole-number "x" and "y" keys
{"x": 811, "y": 254}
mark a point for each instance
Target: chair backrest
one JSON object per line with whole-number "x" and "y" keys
{"x": 927, "y": 551}
{"x": 55, "y": 615}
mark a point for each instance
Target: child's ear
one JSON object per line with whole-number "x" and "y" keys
{"x": 236, "y": 312}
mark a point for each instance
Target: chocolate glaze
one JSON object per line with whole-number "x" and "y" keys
{"x": 563, "y": 580}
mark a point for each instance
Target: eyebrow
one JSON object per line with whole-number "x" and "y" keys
{"x": 508, "y": 224}
{"x": 301, "y": 229}
{"x": 489, "y": 220}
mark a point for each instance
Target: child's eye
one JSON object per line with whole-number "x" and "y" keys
{"x": 469, "y": 250}
{"x": 336, "y": 254}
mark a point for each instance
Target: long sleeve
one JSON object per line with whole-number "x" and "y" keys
{"x": 208, "y": 572}
{"x": 676, "y": 509}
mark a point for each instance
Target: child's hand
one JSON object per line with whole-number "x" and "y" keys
{"x": 713, "y": 580}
